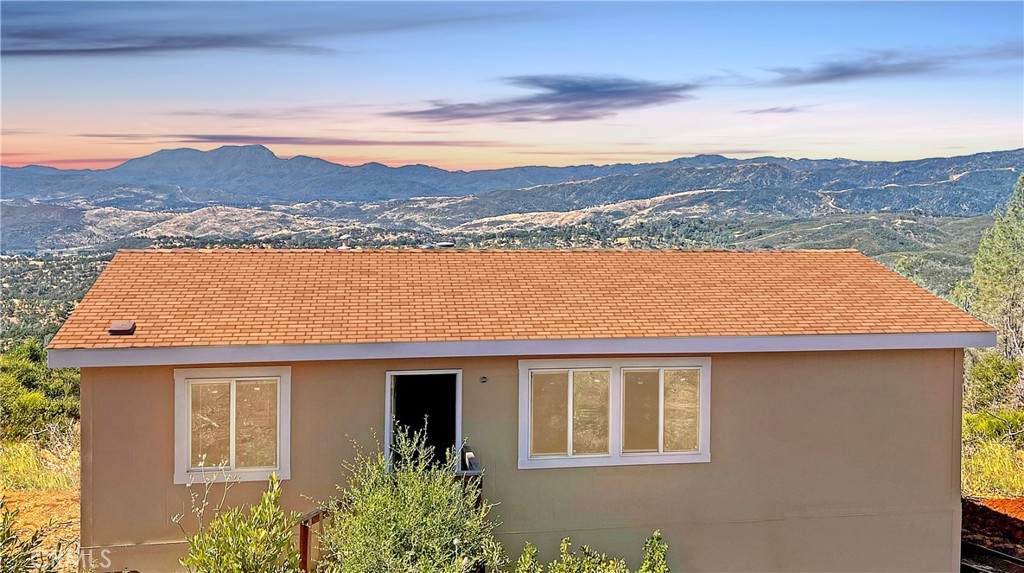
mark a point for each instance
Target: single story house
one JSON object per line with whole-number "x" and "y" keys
{"x": 766, "y": 410}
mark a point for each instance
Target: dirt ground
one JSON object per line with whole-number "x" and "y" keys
{"x": 59, "y": 508}
{"x": 1012, "y": 507}
{"x": 995, "y": 523}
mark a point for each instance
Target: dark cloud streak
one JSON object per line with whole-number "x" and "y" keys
{"x": 31, "y": 44}
{"x": 892, "y": 63}
{"x": 559, "y": 98}
{"x": 139, "y": 28}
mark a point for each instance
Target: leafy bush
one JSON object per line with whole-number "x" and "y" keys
{"x": 655, "y": 555}
{"x": 236, "y": 541}
{"x": 993, "y": 425}
{"x": 409, "y": 514}
{"x": 21, "y": 553}
{"x": 590, "y": 561}
{"x": 992, "y": 382}
{"x": 49, "y": 463}
{"x": 32, "y": 395}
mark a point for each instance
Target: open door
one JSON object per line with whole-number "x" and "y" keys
{"x": 426, "y": 399}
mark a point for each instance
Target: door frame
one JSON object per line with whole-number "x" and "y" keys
{"x": 389, "y": 379}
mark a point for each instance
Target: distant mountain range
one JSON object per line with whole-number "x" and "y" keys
{"x": 247, "y": 191}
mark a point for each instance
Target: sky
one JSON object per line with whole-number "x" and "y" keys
{"x": 469, "y": 85}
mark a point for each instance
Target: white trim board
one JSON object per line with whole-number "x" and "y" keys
{"x": 170, "y": 356}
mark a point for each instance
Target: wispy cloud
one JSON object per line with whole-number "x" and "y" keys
{"x": 559, "y": 98}
{"x": 279, "y": 113}
{"x": 71, "y": 42}
{"x": 892, "y": 63}
{"x": 68, "y": 29}
{"x": 778, "y": 109}
{"x": 247, "y": 139}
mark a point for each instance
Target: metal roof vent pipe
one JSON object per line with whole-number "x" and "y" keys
{"x": 346, "y": 243}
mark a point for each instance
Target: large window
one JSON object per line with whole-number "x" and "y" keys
{"x": 594, "y": 412}
{"x": 231, "y": 422}
{"x": 569, "y": 412}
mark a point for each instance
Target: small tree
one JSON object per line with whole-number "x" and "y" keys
{"x": 236, "y": 541}
{"x": 992, "y": 383}
{"x": 408, "y": 513}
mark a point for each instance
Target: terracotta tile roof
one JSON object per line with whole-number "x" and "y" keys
{"x": 254, "y": 297}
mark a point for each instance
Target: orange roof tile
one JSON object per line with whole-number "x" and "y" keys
{"x": 256, "y": 297}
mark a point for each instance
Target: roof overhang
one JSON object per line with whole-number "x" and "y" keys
{"x": 173, "y": 356}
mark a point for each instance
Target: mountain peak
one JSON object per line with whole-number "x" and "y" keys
{"x": 255, "y": 150}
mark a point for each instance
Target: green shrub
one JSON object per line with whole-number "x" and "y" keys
{"x": 32, "y": 395}
{"x": 24, "y": 553}
{"x": 991, "y": 382}
{"x": 655, "y": 555}
{"x": 590, "y": 561}
{"x": 409, "y": 514}
{"x": 236, "y": 541}
{"x": 993, "y": 425}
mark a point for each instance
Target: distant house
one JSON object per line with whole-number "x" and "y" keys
{"x": 784, "y": 411}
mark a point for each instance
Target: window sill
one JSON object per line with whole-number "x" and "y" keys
{"x": 610, "y": 461}
{"x": 217, "y": 476}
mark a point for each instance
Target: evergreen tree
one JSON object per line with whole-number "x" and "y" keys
{"x": 995, "y": 290}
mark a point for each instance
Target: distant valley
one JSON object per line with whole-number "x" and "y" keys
{"x": 248, "y": 193}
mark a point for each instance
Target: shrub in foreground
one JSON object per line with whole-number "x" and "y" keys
{"x": 590, "y": 561}
{"x": 408, "y": 514}
{"x": 237, "y": 541}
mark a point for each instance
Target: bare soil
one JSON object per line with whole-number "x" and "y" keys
{"x": 56, "y": 510}
{"x": 995, "y": 523}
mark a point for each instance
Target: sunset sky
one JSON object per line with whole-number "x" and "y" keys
{"x": 478, "y": 85}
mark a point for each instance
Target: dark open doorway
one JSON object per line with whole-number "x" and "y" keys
{"x": 429, "y": 399}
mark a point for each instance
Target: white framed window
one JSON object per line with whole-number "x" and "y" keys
{"x": 232, "y": 423}
{"x": 610, "y": 412}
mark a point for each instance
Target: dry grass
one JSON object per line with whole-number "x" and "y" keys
{"x": 992, "y": 468}
{"x": 50, "y": 463}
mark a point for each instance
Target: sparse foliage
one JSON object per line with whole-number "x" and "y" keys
{"x": 587, "y": 560}
{"x": 257, "y": 540}
{"x": 408, "y": 514}
{"x": 24, "y": 552}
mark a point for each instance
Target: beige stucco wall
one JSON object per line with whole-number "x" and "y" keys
{"x": 822, "y": 461}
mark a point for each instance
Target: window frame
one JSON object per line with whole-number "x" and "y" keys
{"x": 184, "y": 473}
{"x": 570, "y": 412}
{"x": 616, "y": 456}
